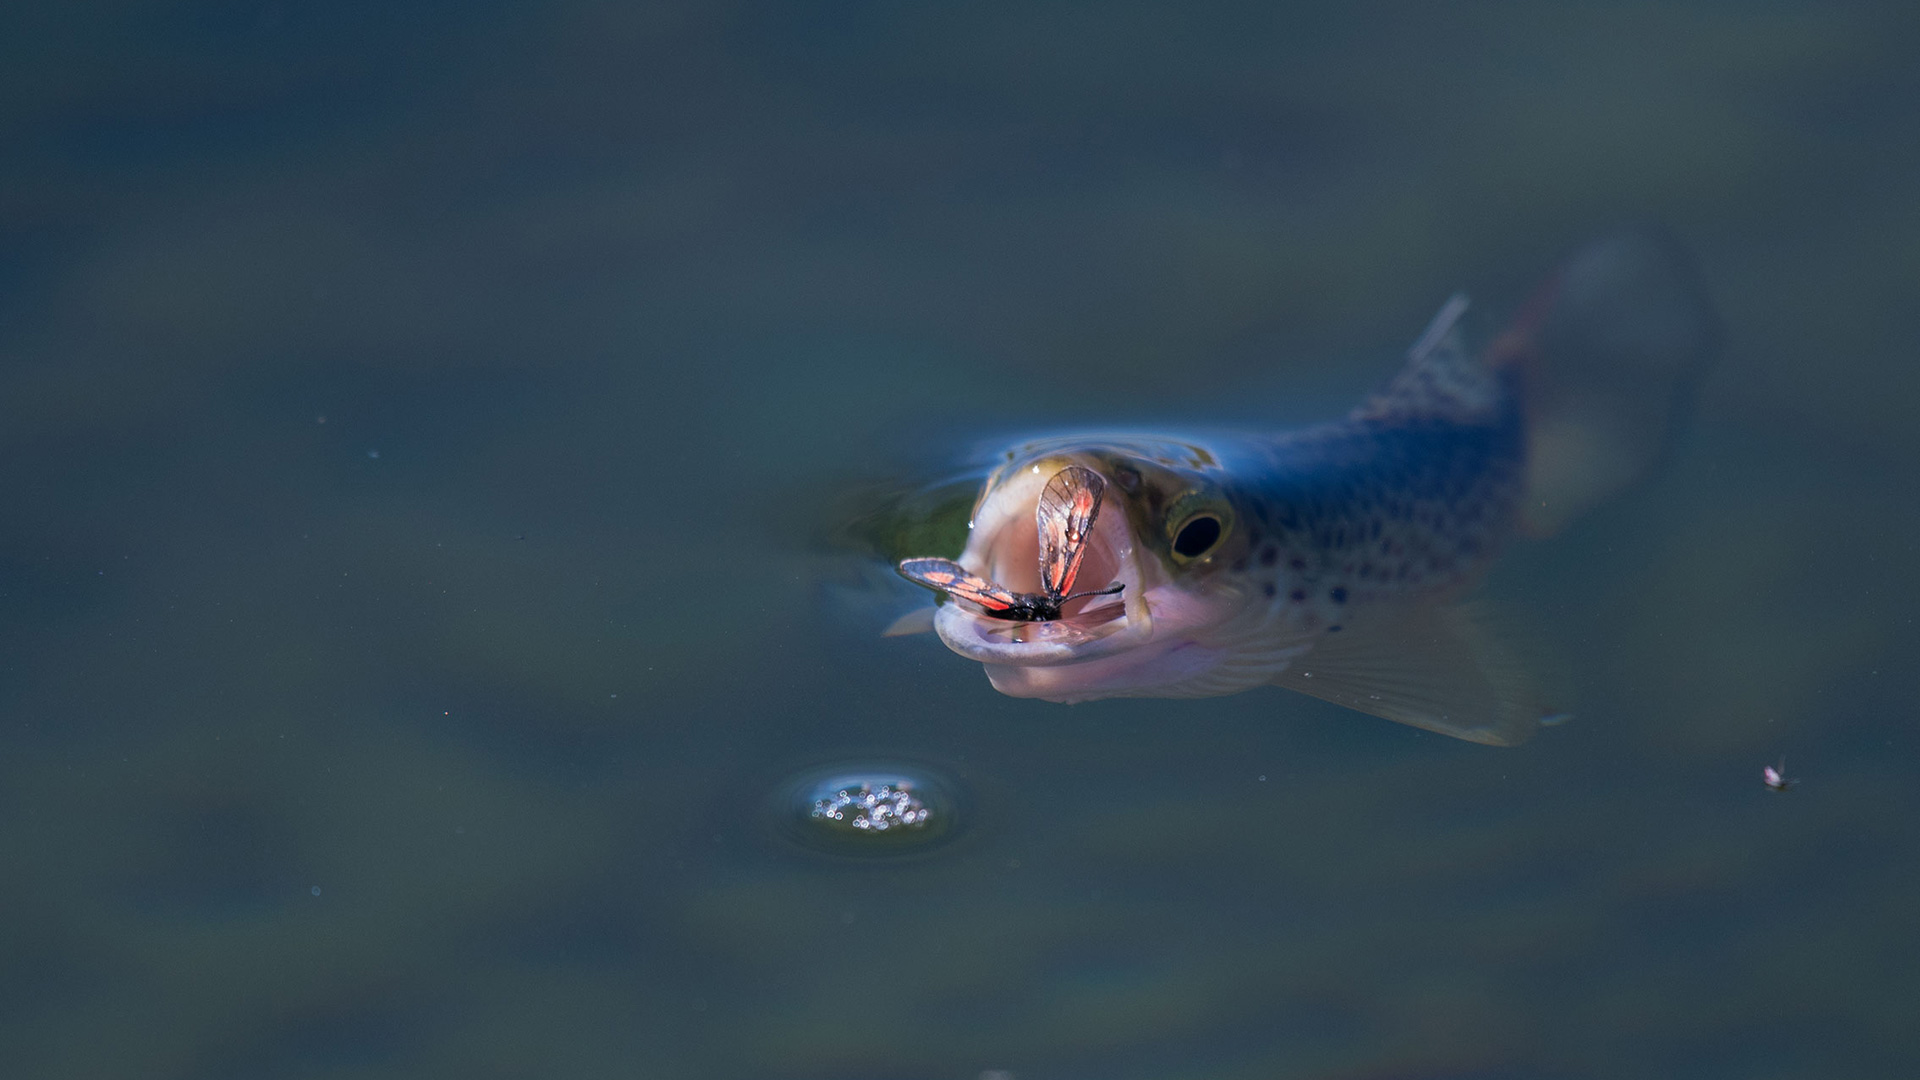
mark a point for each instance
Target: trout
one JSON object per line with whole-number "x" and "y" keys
{"x": 1334, "y": 560}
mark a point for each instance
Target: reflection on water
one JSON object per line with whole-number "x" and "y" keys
{"x": 628, "y": 299}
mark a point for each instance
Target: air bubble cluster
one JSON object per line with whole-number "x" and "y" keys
{"x": 875, "y": 809}
{"x": 868, "y": 808}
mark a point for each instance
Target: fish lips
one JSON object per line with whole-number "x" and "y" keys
{"x": 1096, "y": 631}
{"x": 1107, "y": 652}
{"x": 1004, "y": 548}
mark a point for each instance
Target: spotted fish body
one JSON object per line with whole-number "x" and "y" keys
{"x": 1331, "y": 560}
{"x": 1408, "y": 498}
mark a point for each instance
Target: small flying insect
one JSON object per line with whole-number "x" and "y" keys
{"x": 1776, "y": 778}
{"x": 1064, "y": 517}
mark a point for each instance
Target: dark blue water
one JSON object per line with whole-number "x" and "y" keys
{"x": 428, "y": 429}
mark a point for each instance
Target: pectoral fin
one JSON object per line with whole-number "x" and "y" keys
{"x": 1432, "y": 668}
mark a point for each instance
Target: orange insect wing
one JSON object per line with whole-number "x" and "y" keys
{"x": 1064, "y": 516}
{"x": 952, "y": 578}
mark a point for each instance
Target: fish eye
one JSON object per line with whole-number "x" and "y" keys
{"x": 1197, "y": 536}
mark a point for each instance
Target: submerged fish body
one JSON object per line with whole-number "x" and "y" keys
{"x": 1331, "y": 560}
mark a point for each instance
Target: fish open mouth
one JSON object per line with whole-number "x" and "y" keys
{"x": 1005, "y": 547}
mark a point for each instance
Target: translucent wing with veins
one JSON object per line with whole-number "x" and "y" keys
{"x": 953, "y": 579}
{"x": 1065, "y": 517}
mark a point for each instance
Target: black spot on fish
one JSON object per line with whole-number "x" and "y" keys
{"x": 1333, "y": 629}
{"x": 1339, "y": 595}
{"x": 1267, "y": 588}
{"x": 1298, "y": 596}
{"x": 1297, "y": 564}
{"x": 1240, "y": 565}
{"x": 1268, "y": 555}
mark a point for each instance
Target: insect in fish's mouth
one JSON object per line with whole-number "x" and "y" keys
{"x": 1065, "y": 515}
{"x": 995, "y": 600}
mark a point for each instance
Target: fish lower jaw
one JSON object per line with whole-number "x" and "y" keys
{"x": 1180, "y": 645}
{"x": 1178, "y": 667}
{"x": 1135, "y": 672}
{"x": 1039, "y": 644}
{"x": 1124, "y": 629}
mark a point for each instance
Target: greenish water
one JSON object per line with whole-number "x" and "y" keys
{"x": 420, "y": 422}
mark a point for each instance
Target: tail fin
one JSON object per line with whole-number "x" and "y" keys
{"x": 1610, "y": 353}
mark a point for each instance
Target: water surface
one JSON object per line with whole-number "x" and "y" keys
{"x": 422, "y": 421}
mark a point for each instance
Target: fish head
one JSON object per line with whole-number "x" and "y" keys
{"x": 1165, "y": 530}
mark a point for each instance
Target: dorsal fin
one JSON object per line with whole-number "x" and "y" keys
{"x": 1440, "y": 380}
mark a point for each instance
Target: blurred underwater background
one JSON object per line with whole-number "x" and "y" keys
{"x": 436, "y": 444}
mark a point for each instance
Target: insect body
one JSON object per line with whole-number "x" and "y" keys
{"x": 1776, "y": 778}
